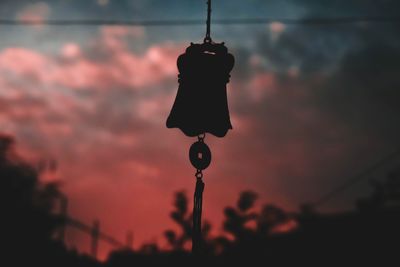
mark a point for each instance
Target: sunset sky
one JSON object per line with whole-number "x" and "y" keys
{"x": 311, "y": 105}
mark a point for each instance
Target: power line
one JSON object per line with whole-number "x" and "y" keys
{"x": 89, "y": 230}
{"x": 352, "y": 180}
{"x": 193, "y": 22}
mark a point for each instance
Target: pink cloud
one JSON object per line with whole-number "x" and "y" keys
{"x": 120, "y": 32}
{"x": 37, "y": 12}
{"x": 276, "y": 29}
{"x": 262, "y": 85}
{"x": 19, "y": 63}
{"x": 71, "y": 51}
{"x": 122, "y": 69}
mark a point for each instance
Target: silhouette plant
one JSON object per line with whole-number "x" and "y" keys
{"x": 270, "y": 217}
{"x": 180, "y": 216}
{"x": 237, "y": 219}
{"x": 27, "y": 224}
{"x": 183, "y": 218}
{"x": 385, "y": 195}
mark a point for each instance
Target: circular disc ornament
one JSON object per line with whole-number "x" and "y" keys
{"x": 200, "y": 155}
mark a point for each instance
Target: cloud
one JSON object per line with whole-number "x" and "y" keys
{"x": 364, "y": 92}
{"x": 71, "y": 51}
{"x": 21, "y": 63}
{"x": 308, "y": 109}
{"x": 74, "y": 70}
{"x": 37, "y": 12}
{"x": 71, "y": 95}
{"x": 103, "y": 2}
{"x": 276, "y": 29}
{"x": 321, "y": 105}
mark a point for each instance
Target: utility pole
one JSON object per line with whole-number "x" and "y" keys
{"x": 64, "y": 216}
{"x": 129, "y": 240}
{"x": 95, "y": 238}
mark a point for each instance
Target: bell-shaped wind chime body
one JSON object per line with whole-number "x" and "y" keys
{"x": 201, "y": 107}
{"x": 201, "y": 104}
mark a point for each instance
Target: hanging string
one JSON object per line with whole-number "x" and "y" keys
{"x": 197, "y": 239}
{"x": 208, "y": 33}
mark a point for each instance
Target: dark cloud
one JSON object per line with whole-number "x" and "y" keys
{"x": 365, "y": 91}
{"x": 336, "y": 114}
{"x": 346, "y": 8}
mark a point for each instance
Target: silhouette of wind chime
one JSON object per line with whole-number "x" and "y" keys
{"x": 201, "y": 107}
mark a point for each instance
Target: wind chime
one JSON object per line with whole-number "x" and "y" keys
{"x": 201, "y": 107}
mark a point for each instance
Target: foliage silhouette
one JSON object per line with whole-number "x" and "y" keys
{"x": 385, "y": 195}
{"x": 184, "y": 219}
{"x": 237, "y": 218}
{"x": 27, "y": 225}
{"x": 250, "y": 236}
{"x": 24, "y": 199}
{"x": 270, "y": 217}
{"x": 180, "y": 216}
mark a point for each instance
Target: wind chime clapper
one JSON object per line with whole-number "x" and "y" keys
{"x": 201, "y": 107}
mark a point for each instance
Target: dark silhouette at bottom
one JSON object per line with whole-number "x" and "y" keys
{"x": 27, "y": 226}
{"x": 251, "y": 236}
